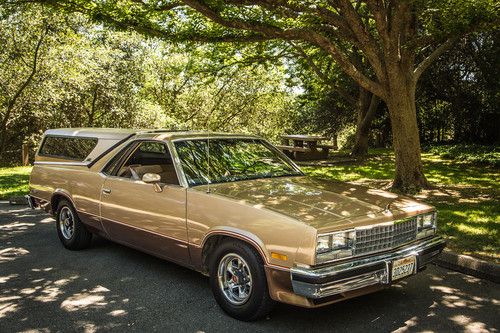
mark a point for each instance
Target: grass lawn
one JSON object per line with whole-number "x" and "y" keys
{"x": 466, "y": 195}
{"x": 14, "y": 181}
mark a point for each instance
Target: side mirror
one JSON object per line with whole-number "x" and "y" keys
{"x": 153, "y": 178}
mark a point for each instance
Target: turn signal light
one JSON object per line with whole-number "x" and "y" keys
{"x": 279, "y": 256}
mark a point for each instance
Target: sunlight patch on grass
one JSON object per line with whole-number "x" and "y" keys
{"x": 14, "y": 181}
{"x": 472, "y": 230}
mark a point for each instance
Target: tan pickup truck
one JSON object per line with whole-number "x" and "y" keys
{"x": 232, "y": 207}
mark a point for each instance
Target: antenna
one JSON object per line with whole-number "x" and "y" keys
{"x": 208, "y": 162}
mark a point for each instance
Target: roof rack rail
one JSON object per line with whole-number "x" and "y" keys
{"x": 164, "y": 130}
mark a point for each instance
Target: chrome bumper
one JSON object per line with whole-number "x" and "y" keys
{"x": 339, "y": 278}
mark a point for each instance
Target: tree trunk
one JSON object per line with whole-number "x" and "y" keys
{"x": 409, "y": 175}
{"x": 3, "y": 140}
{"x": 366, "y": 110}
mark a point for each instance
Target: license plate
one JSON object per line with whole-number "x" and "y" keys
{"x": 403, "y": 267}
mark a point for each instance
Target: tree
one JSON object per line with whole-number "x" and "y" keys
{"x": 87, "y": 75}
{"x": 397, "y": 39}
{"x": 458, "y": 98}
{"x": 19, "y": 64}
{"x": 59, "y": 71}
{"x": 339, "y": 86}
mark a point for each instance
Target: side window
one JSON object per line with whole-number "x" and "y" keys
{"x": 110, "y": 168}
{"x": 148, "y": 157}
{"x": 71, "y": 148}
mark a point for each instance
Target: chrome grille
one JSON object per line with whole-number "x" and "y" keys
{"x": 385, "y": 236}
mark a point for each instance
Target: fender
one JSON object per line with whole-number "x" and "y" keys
{"x": 60, "y": 192}
{"x": 240, "y": 234}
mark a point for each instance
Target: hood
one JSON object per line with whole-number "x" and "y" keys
{"x": 323, "y": 204}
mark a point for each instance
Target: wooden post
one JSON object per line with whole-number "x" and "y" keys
{"x": 335, "y": 142}
{"x": 25, "y": 154}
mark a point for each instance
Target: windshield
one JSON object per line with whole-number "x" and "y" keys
{"x": 231, "y": 160}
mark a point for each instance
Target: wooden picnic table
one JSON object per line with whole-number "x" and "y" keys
{"x": 305, "y": 147}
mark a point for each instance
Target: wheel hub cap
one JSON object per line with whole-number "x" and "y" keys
{"x": 66, "y": 222}
{"x": 235, "y": 279}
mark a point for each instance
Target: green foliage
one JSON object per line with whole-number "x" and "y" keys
{"x": 203, "y": 89}
{"x": 87, "y": 75}
{"x": 324, "y": 111}
{"x": 84, "y": 76}
{"x": 441, "y": 17}
{"x": 477, "y": 154}
{"x": 458, "y": 98}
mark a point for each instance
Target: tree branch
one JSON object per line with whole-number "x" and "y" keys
{"x": 293, "y": 34}
{"x": 379, "y": 12}
{"x": 432, "y": 57}
{"x": 372, "y": 111}
{"x": 342, "y": 92}
{"x": 258, "y": 32}
{"x": 366, "y": 42}
{"x": 265, "y": 29}
{"x": 182, "y": 36}
{"x": 284, "y": 7}
{"x": 346, "y": 65}
{"x": 160, "y": 7}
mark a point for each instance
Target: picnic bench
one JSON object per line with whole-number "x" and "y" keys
{"x": 305, "y": 147}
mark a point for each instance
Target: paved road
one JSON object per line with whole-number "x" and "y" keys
{"x": 110, "y": 287}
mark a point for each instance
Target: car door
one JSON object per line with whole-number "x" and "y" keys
{"x": 138, "y": 214}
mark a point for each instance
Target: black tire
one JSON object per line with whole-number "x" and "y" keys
{"x": 80, "y": 237}
{"x": 259, "y": 303}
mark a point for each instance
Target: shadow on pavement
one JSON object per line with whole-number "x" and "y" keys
{"x": 110, "y": 287}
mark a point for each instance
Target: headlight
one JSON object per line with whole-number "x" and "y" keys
{"x": 426, "y": 224}
{"x": 334, "y": 246}
{"x": 323, "y": 244}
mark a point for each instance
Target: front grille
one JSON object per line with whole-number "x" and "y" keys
{"x": 385, "y": 236}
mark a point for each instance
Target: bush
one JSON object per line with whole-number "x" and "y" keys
{"x": 477, "y": 154}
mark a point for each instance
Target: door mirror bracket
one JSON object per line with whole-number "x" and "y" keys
{"x": 153, "y": 178}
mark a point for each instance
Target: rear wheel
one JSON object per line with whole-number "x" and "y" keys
{"x": 238, "y": 281}
{"x": 71, "y": 231}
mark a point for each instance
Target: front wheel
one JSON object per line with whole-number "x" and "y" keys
{"x": 71, "y": 231}
{"x": 238, "y": 281}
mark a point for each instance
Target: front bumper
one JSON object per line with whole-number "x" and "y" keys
{"x": 335, "y": 279}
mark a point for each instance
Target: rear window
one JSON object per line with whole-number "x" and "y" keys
{"x": 71, "y": 148}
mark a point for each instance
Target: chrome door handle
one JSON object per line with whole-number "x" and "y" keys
{"x": 106, "y": 191}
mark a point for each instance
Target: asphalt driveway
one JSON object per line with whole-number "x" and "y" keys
{"x": 110, "y": 287}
